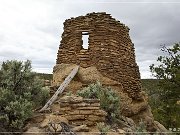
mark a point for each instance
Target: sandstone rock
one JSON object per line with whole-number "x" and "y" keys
{"x": 71, "y": 99}
{"x": 84, "y": 76}
{"x": 121, "y": 132}
{"x": 74, "y": 117}
{"x": 95, "y": 104}
{"x": 65, "y": 109}
{"x": 63, "y": 104}
{"x": 95, "y": 118}
{"x": 44, "y": 123}
{"x": 82, "y": 128}
{"x": 88, "y": 108}
{"x": 138, "y": 106}
{"x": 91, "y": 75}
{"x": 129, "y": 107}
{"x": 82, "y": 122}
{"x": 130, "y": 122}
{"x": 85, "y": 112}
{"x": 75, "y": 85}
{"x": 142, "y": 115}
{"x": 55, "y": 108}
{"x": 74, "y": 112}
{"x": 100, "y": 113}
{"x": 80, "y": 105}
{"x": 52, "y": 118}
{"x": 54, "y": 127}
{"x": 58, "y": 75}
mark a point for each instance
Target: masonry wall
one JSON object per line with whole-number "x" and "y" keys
{"x": 110, "y": 49}
{"x": 79, "y": 111}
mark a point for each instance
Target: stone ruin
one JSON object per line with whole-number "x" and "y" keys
{"x": 110, "y": 49}
{"x": 79, "y": 111}
{"x": 110, "y": 59}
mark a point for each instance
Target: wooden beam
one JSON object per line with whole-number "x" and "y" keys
{"x": 61, "y": 88}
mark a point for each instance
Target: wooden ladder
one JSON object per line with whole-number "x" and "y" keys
{"x": 61, "y": 88}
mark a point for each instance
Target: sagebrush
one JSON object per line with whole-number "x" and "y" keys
{"x": 109, "y": 100}
{"x": 103, "y": 128}
{"x": 21, "y": 91}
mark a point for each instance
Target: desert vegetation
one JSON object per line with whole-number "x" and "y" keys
{"x": 109, "y": 100}
{"x": 21, "y": 91}
{"x": 167, "y": 95}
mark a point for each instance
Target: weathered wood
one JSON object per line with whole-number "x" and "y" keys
{"x": 61, "y": 88}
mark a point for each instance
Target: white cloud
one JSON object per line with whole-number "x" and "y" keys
{"x": 31, "y": 29}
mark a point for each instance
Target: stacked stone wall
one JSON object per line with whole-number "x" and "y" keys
{"x": 110, "y": 49}
{"x": 79, "y": 111}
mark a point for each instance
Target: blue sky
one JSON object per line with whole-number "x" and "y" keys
{"x": 31, "y": 29}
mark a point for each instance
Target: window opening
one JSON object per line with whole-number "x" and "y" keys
{"x": 85, "y": 39}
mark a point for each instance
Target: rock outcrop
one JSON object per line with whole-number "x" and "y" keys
{"x": 79, "y": 115}
{"x": 129, "y": 107}
{"x": 74, "y": 112}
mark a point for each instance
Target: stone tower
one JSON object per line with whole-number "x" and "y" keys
{"x": 110, "y": 49}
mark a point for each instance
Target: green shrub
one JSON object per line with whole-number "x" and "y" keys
{"x": 109, "y": 100}
{"x": 103, "y": 128}
{"x": 20, "y": 92}
{"x": 168, "y": 73}
{"x": 141, "y": 128}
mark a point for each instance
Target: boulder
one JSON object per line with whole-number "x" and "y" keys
{"x": 84, "y": 76}
{"x": 54, "y": 127}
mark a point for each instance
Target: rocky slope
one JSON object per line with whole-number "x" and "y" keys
{"x": 75, "y": 114}
{"x": 130, "y": 108}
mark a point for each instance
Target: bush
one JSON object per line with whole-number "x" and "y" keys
{"x": 103, "y": 128}
{"x": 20, "y": 92}
{"x": 141, "y": 129}
{"x": 109, "y": 100}
{"x": 168, "y": 73}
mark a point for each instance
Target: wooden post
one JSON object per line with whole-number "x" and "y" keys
{"x": 61, "y": 88}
